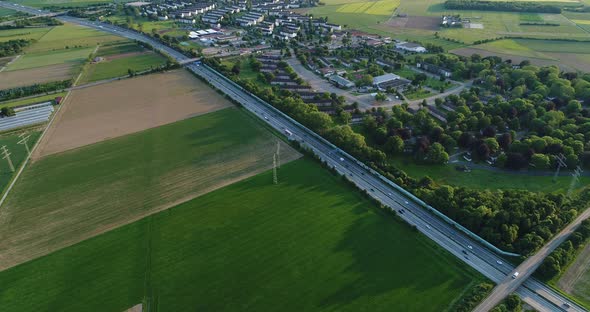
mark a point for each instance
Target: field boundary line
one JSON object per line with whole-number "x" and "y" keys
{"x": 28, "y": 158}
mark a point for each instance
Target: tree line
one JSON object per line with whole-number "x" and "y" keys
{"x": 18, "y": 92}
{"x": 13, "y": 47}
{"x": 516, "y": 6}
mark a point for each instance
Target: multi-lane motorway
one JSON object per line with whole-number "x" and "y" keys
{"x": 470, "y": 251}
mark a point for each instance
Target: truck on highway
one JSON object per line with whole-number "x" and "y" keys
{"x": 289, "y": 133}
{"x": 515, "y": 275}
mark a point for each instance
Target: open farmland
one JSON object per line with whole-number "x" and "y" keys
{"x": 102, "y": 186}
{"x": 70, "y": 57}
{"x": 117, "y": 59}
{"x": 356, "y": 14}
{"x": 17, "y": 78}
{"x": 23, "y": 33}
{"x": 568, "y": 55}
{"x": 67, "y": 3}
{"x": 310, "y": 243}
{"x": 70, "y": 36}
{"x": 122, "y": 107}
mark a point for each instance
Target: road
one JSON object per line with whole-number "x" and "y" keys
{"x": 526, "y": 269}
{"x": 460, "y": 243}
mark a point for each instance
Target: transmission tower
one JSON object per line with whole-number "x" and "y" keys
{"x": 575, "y": 178}
{"x": 275, "y": 179}
{"x": 23, "y": 141}
{"x": 278, "y": 154}
{"x": 560, "y": 163}
{"x": 6, "y": 155}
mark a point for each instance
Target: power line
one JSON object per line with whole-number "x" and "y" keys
{"x": 560, "y": 163}
{"x": 24, "y": 141}
{"x": 275, "y": 179}
{"x": 6, "y": 155}
{"x": 575, "y": 178}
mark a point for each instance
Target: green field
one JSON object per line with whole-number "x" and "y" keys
{"x": 18, "y": 154}
{"x": 71, "y": 36}
{"x": 119, "y": 67}
{"x": 23, "y": 33}
{"x": 6, "y": 12}
{"x": 310, "y": 243}
{"x": 111, "y": 183}
{"x": 33, "y": 100}
{"x": 32, "y": 60}
{"x": 356, "y": 14}
{"x": 484, "y": 179}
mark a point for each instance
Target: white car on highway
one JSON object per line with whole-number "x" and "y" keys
{"x": 499, "y": 262}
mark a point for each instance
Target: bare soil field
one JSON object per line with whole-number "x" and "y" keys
{"x": 122, "y": 107}
{"x": 416, "y": 22}
{"x": 26, "y": 77}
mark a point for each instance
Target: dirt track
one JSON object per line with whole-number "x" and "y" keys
{"x": 114, "y": 109}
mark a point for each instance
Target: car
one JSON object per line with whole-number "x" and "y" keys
{"x": 464, "y": 251}
{"x": 389, "y": 194}
{"x": 372, "y": 190}
{"x": 469, "y": 246}
{"x": 265, "y": 117}
{"x": 466, "y": 257}
{"x": 567, "y": 305}
{"x": 428, "y": 226}
{"x": 406, "y": 202}
{"x": 341, "y": 159}
{"x": 499, "y": 262}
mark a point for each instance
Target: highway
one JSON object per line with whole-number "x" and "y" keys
{"x": 467, "y": 249}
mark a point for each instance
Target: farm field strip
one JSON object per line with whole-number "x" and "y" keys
{"x": 26, "y": 77}
{"x": 142, "y": 173}
{"x": 120, "y": 64}
{"x": 71, "y": 57}
{"x": 309, "y": 243}
{"x": 122, "y": 107}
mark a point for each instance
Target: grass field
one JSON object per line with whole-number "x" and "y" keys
{"x": 98, "y": 187}
{"x": 356, "y": 14}
{"x": 6, "y": 12}
{"x": 30, "y": 76}
{"x": 23, "y": 33}
{"x": 309, "y": 243}
{"x": 33, "y": 100}
{"x": 483, "y": 179}
{"x": 74, "y": 57}
{"x": 71, "y": 36}
{"x": 118, "y": 67}
{"x": 18, "y": 154}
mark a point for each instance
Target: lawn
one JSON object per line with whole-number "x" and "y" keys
{"x": 101, "y": 186}
{"x": 23, "y": 33}
{"x": 115, "y": 48}
{"x": 483, "y": 179}
{"x": 6, "y": 12}
{"x": 119, "y": 67}
{"x": 63, "y": 3}
{"x": 417, "y": 94}
{"x": 18, "y": 153}
{"x": 310, "y": 243}
{"x": 33, "y": 100}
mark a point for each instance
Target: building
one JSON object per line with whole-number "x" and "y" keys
{"x": 410, "y": 47}
{"x": 341, "y": 82}
{"x": 434, "y": 69}
{"x": 389, "y": 81}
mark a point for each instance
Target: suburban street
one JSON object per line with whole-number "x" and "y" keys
{"x": 449, "y": 235}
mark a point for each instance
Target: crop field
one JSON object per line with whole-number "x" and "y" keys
{"x": 355, "y": 14}
{"x": 122, "y": 107}
{"x": 18, "y": 153}
{"x": 65, "y": 198}
{"x": 6, "y": 12}
{"x": 581, "y": 287}
{"x": 69, "y": 57}
{"x": 26, "y": 77}
{"x": 70, "y": 36}
{"x": 33, "y": 100}
{"x": 23, "y": 33}
{"x": 118, "y": 65}
{"x": 569, "y": 55}
{"x": 309, "y": 243}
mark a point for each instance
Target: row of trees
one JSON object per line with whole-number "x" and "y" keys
{"x": 13, "y": 47}
{"x": 512, "y": 303}
{"x": 515, "y": 6}
{"x": 14, "y": 93}
{"x": 560, "y": 258}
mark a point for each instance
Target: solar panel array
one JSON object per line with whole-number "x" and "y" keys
{"x": 26, "y": 118}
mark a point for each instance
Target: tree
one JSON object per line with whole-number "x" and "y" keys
{"x": 436, "y": 154}
{"x": 236, "y": 69}
{"x": 515, "y": 161}
{"x": 7, "y": 111}
{"x": 366, "y": 80}
{"x": 483, "y": 151}
{"x": 540, "y": 161}
{"x": 394, "y": 145}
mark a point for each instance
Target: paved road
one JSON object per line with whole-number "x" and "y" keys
{"x": 455, "y": 241}
{"x": 526, "y": 269}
